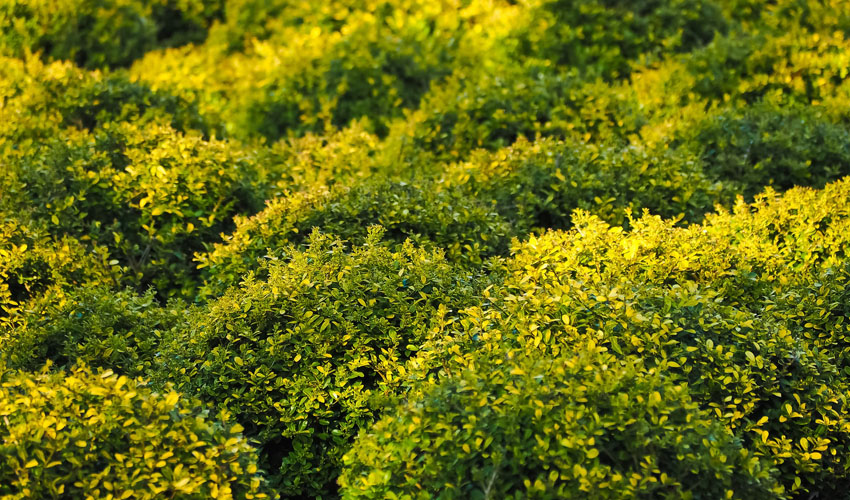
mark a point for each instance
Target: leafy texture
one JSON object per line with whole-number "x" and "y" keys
{"x": 85, "y": 434}
{"x": 424, "y": 249}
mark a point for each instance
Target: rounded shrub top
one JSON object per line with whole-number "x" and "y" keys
{"x": 97, "y": 435}
{"x": 587, "y": 425}
{"x": 301, "y": 349}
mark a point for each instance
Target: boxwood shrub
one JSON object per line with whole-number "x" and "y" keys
{"x": 35, "y": 266}
{"x": 763, "y": 145}
{"x": 148, "y": 193}
{"x": 41, "y": 98}
{"x": 604, "y": 37}
{"x": 243, "y": 170}
{"x": 492, "y": 106}
{"x": 369, "y": 62}
{"x": 302, "y": 357}
{"x": 85, "y": 434}
{"x": 472, "y": 209}
{"x": 584, "y": 425}
{"x": 97, "y": 326}
{"x": 802, "y": 66}
{"x": 95, "y": 34}
{"x": 747, "y": 309}
{"x": 423, "y": 211}
{"x": 539, "y": 184}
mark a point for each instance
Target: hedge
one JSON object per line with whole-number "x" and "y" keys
{"x": 604, "y": 37}
{"x": 99, "y": 33}
{"x": 587, "y": 425}
{"x": 589, "y": 195}
{"x": 302, "y": 356}
{"x": 761, "y": 146}
{"x": 34, "y": 265}
{"x": 120, "y": 331}
{"x": 746, "y": 309}
{"x": 149, "y": 194}
{"x": 423, "y": 212}
{"x": 85, "y": 434}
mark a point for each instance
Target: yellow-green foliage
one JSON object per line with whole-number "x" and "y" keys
{"x": 147, "y": 192}
{"x": 339, "y": 158}
{"x": 761, "y": 146}
{"x": 97, "y": 326}
{"x": 424, "y": 213}
{"x": 300, "y": 356}
{"x": 568, "y": 295}
{"x": 97, "y": 435}
{"x": 34, "y": 265}
{"x": 539, "y": 184}
{"x": 803, "y": 63}
{"x": 748, "y": 309}
{"x": 339, "y": 62}
{"x": 492, "y": 107}
{"x": 475, "y": 207}
{"x": 98, "y": 33}
{"x": 603, "y": 37}
{"x": 40, "y": 96}
{"x": 787, "y": 14}
{"x": 587, "y": 425}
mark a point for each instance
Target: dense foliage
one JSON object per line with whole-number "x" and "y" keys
{"x": 298, "y": 355}
{"x": 66, "y": 436}
{"x": 424, "y": 249}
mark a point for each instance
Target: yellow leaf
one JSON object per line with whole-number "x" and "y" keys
{"x": 655, "y": 397}
{"x": 172, "y": 398}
